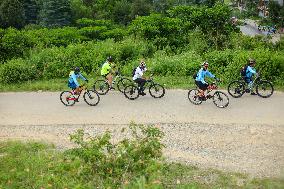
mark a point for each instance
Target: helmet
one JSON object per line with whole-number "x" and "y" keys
{"x": 205, "y": 63}
{"x": 251, "y": 61}
{"x": 110, "y": 59}
{"x": 76, "y": 69}
{"x": 142, "y": 64}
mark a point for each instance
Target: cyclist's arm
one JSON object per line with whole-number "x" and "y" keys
{"x": 82, "y": 77}
{"x": 209, "y": 74}
{"x": 251, "y": 70}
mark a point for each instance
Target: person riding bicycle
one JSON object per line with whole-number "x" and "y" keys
{"x": 106, "y": 71}
{"x": 138, "y": 77}
{"x": 249, "y": 71}
{"x": 73, "y": 82}
{"x": 200, "y": 79}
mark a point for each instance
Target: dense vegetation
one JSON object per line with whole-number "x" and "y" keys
{"x": 174, "y": 40}
{"x": 96, "y": 162}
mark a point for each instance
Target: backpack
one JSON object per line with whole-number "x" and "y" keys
{"x": 244, "y": 71}
{"x": 133, "y": 72}
{"x": 194, "y": 76}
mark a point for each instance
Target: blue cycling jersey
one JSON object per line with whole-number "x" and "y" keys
{"x": 73, "y": 78}
{"x": 250, "y": 71}
{"x": 202, "y": 73}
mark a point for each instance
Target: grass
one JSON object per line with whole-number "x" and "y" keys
{"x": 39, "y": 165}
{"x": 170, "y": 82}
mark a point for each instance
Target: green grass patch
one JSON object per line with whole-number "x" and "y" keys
{"x": 170, "y": 82}
{"x": 96, "y": 163}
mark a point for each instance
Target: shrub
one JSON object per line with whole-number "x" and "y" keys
{"x": 93, "y": 32}
{"x": 16, "y": 71}
{"x": 115, "y": 164}
{"x": 184, "y": 64}
{"x": 14, "y": 44}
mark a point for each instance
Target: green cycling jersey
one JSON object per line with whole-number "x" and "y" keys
{"x": 105, "y": 68}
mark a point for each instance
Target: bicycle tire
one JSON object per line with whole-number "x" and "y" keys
{"x": 217, "y": 97}
{"x": 262, "y": 84}
{"x": 101, "y": 86}
{"x": 153, "y": 89}
{"x": 131, "y": 92}
{"x": 91, "y": 97}
{"x": 236, "y": 89}
{"x": 123, "y": 82}
{"x": 63, "y": 98}
{"x": 194, "y": 98}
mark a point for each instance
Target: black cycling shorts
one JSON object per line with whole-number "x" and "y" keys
{"x": 201, "y": 85}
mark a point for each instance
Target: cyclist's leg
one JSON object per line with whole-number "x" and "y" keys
{"x": 73, "y": 87}
{"x": 201, "y": 88}
{"x": 109, "y": 79}
{"x": 141, "y": 82}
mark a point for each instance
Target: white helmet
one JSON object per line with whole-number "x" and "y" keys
{"x": 205, "y": 63}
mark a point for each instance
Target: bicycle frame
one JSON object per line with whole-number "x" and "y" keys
{"x": 78, "y": 95}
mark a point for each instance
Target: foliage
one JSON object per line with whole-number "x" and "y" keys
{"x": 17, "y": 71}
{"x": 54, "y": 13}
{"x": 38, "y": 165}
{"x": 31, "y": 10}
{"x": 276, "y": 13}
{"x": 160, "y": 29}
{"x": 114, "y": 164}
{"x": 11, "y": 13}
{"x": 14, "y": 43}
{"x": 213, "y": 22}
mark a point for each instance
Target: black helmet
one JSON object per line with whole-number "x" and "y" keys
{"x": 110, "y": 59}
{"x": 76, "y": 69}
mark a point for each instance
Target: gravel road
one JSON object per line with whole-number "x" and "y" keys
{"x": 247, "y": 136}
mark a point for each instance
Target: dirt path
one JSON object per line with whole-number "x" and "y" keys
{"x": 248, "y": 136}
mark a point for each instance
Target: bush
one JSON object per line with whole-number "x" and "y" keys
{"x": 16, "y": 71}
{"x": 93, "y": 32}
{"x": 14, "y": 43}
{"x": 185, "y": 64}
{"x": 113, "y": 165}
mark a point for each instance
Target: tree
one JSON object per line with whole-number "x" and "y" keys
{"x": 121, "y": 12}
{"x": 140, "y": 8}
{"x": 55, "y": 13}
{"x": 274, "y": 11}
{"x": 12, "y": 14}
{"x": 31, "y": 10}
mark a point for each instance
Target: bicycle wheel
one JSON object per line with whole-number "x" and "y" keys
{"x": 122, "y": 83}
{"x": 220, "y": 99}
{"x": 156, "y": 90}
{"x": 67, "y": 98}
{"x": 131, "y": 92}
{"x": 264, "y": 89}
{"x": 101, "y": 86}
{"x": 236, "y": 89}
{"x": 91, "y": 97}
{"x": 193, "y": 96}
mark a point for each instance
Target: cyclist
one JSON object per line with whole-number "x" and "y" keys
{"x": 106, "y": 70}
{"x": 73, "y": 83}
{"x": 200, "y": 79}
{"x": 138, "y": 77}
{"x": 249, "y": 72}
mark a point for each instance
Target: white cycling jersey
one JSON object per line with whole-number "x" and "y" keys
{"x": 139, "y": 73}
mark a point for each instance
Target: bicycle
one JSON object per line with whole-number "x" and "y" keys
{"x": 102, "y": 86}
{"x": 69, "y": 98}
{"x": 264, "y": 88}
{"x": 156, "y": 90}
{"x": 220, "y": 99}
